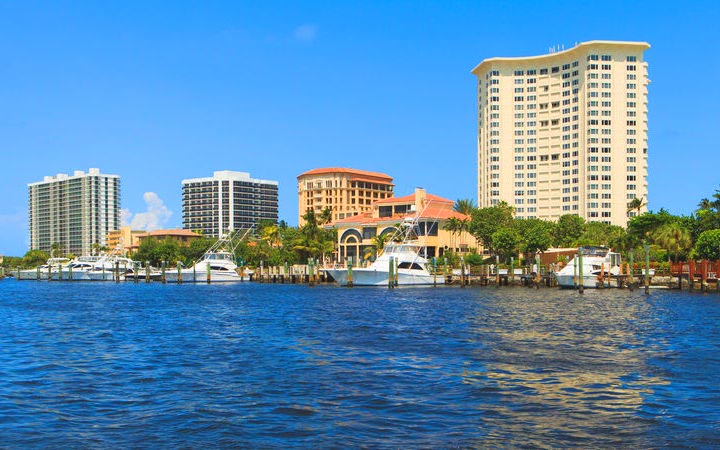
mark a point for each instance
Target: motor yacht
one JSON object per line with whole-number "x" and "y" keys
{"x": 596, "y": 262}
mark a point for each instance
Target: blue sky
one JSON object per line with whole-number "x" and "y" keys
{"x": 161, "y": 91}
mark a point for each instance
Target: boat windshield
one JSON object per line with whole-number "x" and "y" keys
{"x": 595, "y": 251}
{"x": 219, "y": 256}
{"x": 401, "y": 248}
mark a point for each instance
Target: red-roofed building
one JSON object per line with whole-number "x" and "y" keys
{"x": 346, "y": 192}
{"x": 356, "y": 233}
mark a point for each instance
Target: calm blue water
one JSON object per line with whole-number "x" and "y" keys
{"x": 98, "y": 365}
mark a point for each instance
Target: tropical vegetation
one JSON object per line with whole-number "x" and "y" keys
{"x": 668, "y": 237}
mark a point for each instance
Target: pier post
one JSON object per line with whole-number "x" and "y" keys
{"x": 147, "y": 271}
{"x": 434, "y": 263}
{"x": 575, "y": 272}
{"x": 511, "y": 275}
{"x": 581, "y": 276}
{"x": 631, "y": 278}
{"x": 647, "y": 269}
{"x": 462, "y": 271}
{"x": 350, "y": 282}
{"x": 311, "y": 272}
{"x": 69, "y": 273}
{"x": 117, "y": 271}
{"x": 207, "y": 268}
{"x": 179, "y": 272}
{"x": 391, "y": 276}
{"x": 194, "y": 274}
{"x": 38, "y": 273}
{"x": 397, "y": 275}
{"x": 49, "y": 272}
{"x": 135, "y": 271}
{"x": 162, "y": 272}
{"x": 497, "y": 271}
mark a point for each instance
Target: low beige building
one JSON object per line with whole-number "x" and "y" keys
{"x": 356, "y": 234}
{"x": 346, "y": 191}
{"x": 182, "y": 237}
{"x": 123, "y": 239}
{"x": 127, "y": 240}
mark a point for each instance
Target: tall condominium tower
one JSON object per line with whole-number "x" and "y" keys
{"x": 346, "y": 191}
{"x": 227, "y": 200}
{"x": 71, "y": 213}
{"x": 566, "y": 132}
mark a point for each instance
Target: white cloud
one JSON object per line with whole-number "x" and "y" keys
{"x": 125, "y": 217}
{"x": 154, "y": 218}
{"x": 305, "y": 33}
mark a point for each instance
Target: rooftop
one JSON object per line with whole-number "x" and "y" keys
{"x": 352, "y": 172}
{"x": 172, "y": 232}
{"x": 550, "y": 56}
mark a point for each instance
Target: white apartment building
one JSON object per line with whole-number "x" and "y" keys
{"x": 73, "y": 212}
{"x": 227, "y": 200}
{"x": 565, "y": 132}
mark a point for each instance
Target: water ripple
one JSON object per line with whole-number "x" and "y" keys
{"x": 104, "y": 365}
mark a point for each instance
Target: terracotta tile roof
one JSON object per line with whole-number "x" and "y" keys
{"x": 364, "y": 173}
{"x": 429, "y": 213}
{"x": 411, "y": 199}
{"x": 173, "y": 232}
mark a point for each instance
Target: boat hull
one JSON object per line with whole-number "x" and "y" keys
{"x": 31, "y": 275}
{"x": 588, "y": 281}
{"x": 188, "y": 276}
{"x": 371, "y": 277}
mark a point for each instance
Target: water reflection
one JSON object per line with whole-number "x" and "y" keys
{"x": 565, "y": 368}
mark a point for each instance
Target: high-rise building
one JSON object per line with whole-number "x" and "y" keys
{"x": 566, "y": 132}
{"x": 227, "y": 200}
{"x": 73, "y": 213}
{"x": 346, "y": 191}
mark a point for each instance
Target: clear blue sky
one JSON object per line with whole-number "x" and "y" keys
{"x": 161, "y": 91}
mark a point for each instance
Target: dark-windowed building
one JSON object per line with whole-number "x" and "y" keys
{"x": 227, "y": 200}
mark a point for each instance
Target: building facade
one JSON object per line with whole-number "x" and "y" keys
{"x": 356, "y": 234}
{"x": 73, "y": 213}
{"x": 122, "y": 239}
{"x": 346, "y": 191}
{"x": 227, "y": 200}
{"x": 566, "y": 132}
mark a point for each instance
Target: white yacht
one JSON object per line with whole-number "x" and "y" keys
{"x": 216, "y": 265}
{"x": 41, "y": 272}
{"x": 595, "y": 261}
{"x": 410, "y": 267}
{"x": 219, "y": 264}
{"x": 75, "y": 270}
{"x": 105, "y": 268}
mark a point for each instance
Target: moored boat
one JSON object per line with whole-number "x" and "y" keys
{"x": 599, "y": 264}
{"x": 216, "y": 265}
{"x": 409, "y": 267}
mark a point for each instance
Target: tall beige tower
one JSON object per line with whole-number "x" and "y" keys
{"x": 566, "y": 132}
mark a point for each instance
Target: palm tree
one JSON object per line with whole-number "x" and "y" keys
{"x": 271, "y": 235}
{"x": 463, "y": 227}
{"x": 674, "y": 238}
{"x": 705, "y": 204}
{"x": 55, "y": 249}
{"x": 453, "y": 226}
{"x": 325, "y": 216}
{"x": 464, "y": 206}
{"x": 378, "y": 244}
{"x": 636, "y": 204}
